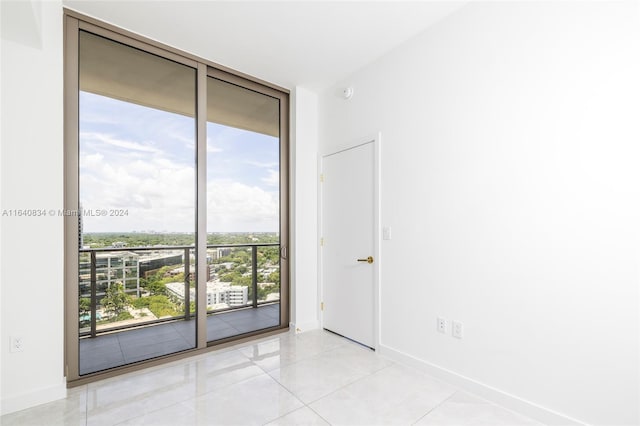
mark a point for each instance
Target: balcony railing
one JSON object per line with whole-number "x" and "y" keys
{"x": 93, "y": 266}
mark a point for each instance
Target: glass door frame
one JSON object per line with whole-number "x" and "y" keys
{"x": 283, "y": 98}
{"x": 75, "y": 22}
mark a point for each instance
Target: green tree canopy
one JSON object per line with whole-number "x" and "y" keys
{"x": 115, "y": 300}
{"x": 84, "y": 306}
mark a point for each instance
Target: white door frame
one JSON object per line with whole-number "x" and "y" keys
{"x": 376, "y": 139}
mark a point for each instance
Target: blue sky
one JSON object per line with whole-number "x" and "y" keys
{"x": 142, "y": 159}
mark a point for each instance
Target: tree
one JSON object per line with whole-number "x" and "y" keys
{"x": 84, "y": 306}
{"x": 154, "y": 286}
{"x": 265, "y": 290}
{"x": 116, "y": 300}
{"x": 274, "y": 277}
{"x": 239, "y": 280}
{"x": 229, "y": 277}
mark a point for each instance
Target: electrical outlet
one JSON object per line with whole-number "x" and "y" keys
{"x": 457, "y": 329}
{"x": 16, "y": 344}
{"x": 441, "y": 325}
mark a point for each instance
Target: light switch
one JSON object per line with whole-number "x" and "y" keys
{"x": 386, "y": 233}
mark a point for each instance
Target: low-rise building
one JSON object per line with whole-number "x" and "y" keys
{"x": 218, "y": 294}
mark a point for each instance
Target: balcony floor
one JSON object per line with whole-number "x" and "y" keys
{"x": 124, "y": 347}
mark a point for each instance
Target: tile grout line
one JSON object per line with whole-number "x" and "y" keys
{"x": 435, "y": 407}
{"x": 304, "y": 404}
{"x": 145, "y": 413}
{"x": 186, "y": 361}
{"x": 350, "y": 383}
{"x": 318, "y": 414}
{"x": 301, "y": 359}
{"x": 292, "y": 394}
{"x": 236, "y": 350}
{"x": 86, "y": 405}
{"x": 308, "y": 405}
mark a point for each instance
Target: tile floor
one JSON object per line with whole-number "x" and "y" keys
{"x": 313, "y": 378}
{"x": 124, "y": 347}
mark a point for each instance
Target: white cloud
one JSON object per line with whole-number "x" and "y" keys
{"x": 107, "y": 139}
{"x": 159, "y": 194}
{"x": 272, "y": 179}
{"x": 92, "y": 160}
{"x": 233, "y": 206}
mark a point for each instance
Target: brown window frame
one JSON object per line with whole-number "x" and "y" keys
{"x": 75, "y": 22}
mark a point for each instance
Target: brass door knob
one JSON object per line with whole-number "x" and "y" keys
{"x": 368, "y": 260}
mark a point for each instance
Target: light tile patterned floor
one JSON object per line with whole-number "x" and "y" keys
{"x": 313, "y": 378}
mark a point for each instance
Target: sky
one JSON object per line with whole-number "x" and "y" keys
{"x": 142, "y": 161}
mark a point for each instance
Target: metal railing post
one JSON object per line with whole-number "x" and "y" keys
{"x": 94, "y": 297}
{"x": 187, "y": 288}
{"x": 94, "y": 300}
{"x": 254, "y": 274}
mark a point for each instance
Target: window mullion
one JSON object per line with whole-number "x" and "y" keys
{"x": 201, "y": 197}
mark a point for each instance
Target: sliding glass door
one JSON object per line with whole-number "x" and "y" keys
{"x": 136, "y": 211}
{"x": 176, "y": 203}
{"x": 243, "y": 209}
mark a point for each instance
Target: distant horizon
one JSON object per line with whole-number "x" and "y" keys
{"x": 180, "y": 232}
{"x": 146, "y": 239}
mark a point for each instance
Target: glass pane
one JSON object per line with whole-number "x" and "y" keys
{"x": 243, "y": 213}
{"x": 137, "y": 180}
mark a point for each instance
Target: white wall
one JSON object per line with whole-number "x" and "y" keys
{"x": 32, "y": 257}
{"x": 510, "y": 178}
{"x": 304, "y": 218}
{"x": 32, "y": 167}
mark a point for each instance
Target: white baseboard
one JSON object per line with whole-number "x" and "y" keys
{"x": 31, "y": 399}
{"x": 304, "y": 326}
{"x": 511, "y": 402}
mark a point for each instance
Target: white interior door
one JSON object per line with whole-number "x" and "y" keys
{"x": 348, "y": 239}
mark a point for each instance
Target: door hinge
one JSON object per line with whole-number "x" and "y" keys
{"x": 321, "y": 242}
{"x": 322, "y": 306}
{"x": 322, "y": 177}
